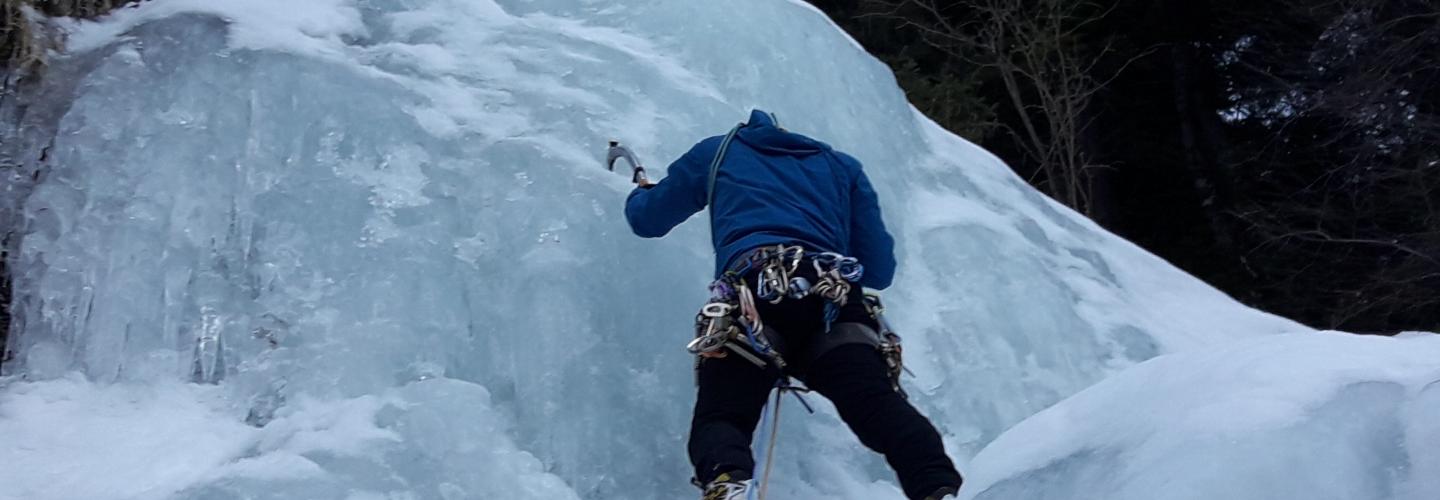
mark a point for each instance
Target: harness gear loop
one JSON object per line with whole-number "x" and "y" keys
{"x": 731, "y": 320}
{"x": 776, "y": 274}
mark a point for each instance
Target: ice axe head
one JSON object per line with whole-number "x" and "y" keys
{"x": 617, "y": 151}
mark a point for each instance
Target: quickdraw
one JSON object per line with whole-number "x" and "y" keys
{"x": 777, "y": 274}
{"x": 714, "y": 325}
{"x": 729, "y": 321}
{"x": 836, "y": 273}
{"x": 889, "y": 343}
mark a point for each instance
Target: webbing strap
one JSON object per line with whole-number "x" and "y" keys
{"x": 720, "y": 157}
{"x": 715, "y": 170}
{"x": 715, "y": 166}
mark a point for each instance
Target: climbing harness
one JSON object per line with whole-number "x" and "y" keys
{"x": 729, "y": 320}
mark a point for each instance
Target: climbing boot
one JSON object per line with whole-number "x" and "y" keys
{"x": 728, "y": 486}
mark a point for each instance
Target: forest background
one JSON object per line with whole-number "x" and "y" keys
{"x": 1284, "y": 151}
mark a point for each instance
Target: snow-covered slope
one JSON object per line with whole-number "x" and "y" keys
{"x": 1309, "y": 416}
{"x": 382, "y": 229}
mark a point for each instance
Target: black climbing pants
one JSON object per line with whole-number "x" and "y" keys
{"x": 733, "y": 392}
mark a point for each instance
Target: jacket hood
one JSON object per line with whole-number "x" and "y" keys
{"x": 763, "y": 133}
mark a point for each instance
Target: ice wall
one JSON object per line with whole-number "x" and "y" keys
{"x": 382, "y": 229}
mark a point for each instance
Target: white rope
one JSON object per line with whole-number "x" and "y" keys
{"x": 770, "y": 448}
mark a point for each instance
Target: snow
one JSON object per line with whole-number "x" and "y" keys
{"x": 313, "y": 27}
{"x": 368, "y": 249}
{"x": 68, "y": 438}
{"x": 1315, "y": 416}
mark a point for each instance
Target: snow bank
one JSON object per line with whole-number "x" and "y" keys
{"x": 1326, "y": 416}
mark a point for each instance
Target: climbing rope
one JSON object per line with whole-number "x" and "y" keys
{"x": 773, "y": 424}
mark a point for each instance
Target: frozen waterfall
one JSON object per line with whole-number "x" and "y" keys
{"x": 367, "y": 249}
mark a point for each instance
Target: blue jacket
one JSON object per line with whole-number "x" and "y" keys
{"x": 773, "y": 187}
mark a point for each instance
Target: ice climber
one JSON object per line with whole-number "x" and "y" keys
{"x": 797, "y": 233}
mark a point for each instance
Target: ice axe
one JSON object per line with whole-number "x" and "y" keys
{"x": 618, "y": 151}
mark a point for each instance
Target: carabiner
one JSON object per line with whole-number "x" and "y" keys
{"x": 795, "y": 254}
{"x": 850, "y": 269}
{"x": 716, "y": 310}
{"x": 799, "y": 287}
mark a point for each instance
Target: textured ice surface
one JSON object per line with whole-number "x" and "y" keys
{"x": 383, "y": 230}
{"x": 1307, "y": 416}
